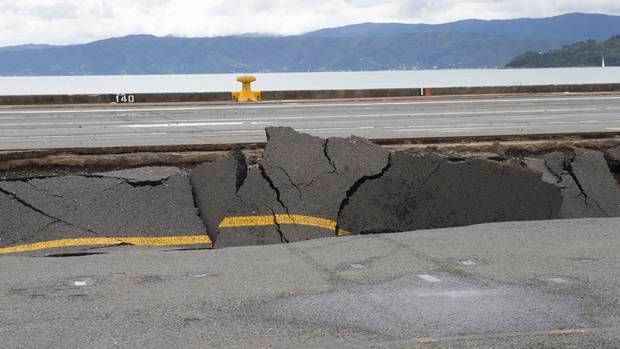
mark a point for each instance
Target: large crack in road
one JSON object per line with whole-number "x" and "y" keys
{"x": 306, "y": 187}
{"x": 354, "y": 188}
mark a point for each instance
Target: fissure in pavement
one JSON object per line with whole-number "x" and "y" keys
{"x": 406, "y": 192}
{"x": 568, "y": 167}
{"x": 305, "y": 187}
{"x": 354, "y": 189}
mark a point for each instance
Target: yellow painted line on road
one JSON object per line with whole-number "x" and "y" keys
{"x": 137, "y": 241}
{"x": 294, "y": 219}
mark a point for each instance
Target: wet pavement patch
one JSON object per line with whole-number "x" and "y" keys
{"x": 437, "y": 305}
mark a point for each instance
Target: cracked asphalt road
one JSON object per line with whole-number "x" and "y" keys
{"x": 504, "y": 285}
{"x": 304, "y": 187}
{"x": 541, "y": 284}
{"x": 151, "y": 203}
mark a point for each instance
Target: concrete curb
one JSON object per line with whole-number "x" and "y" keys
{"x": 301, "y": 95}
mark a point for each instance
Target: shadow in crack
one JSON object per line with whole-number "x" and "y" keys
{"x": 77, "y": 254}
{"x": 190, "y": 249}
{"x": 612, "y": 156}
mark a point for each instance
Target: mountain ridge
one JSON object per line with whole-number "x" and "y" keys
{"x": 477, "y": 44}
{"x": 570, "y": 27}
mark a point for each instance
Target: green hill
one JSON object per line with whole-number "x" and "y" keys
{"x": 582, "y": 54}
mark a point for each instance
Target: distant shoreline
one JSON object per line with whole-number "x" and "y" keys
{"x": 184, "y": 83}
{"x": 306, "y": 72}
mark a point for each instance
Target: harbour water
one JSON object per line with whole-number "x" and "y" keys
{"x": 305, "y": 81}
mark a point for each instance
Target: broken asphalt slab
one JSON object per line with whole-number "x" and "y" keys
{"x": 314, "y": 176}
{"x": 589, "y": 189}
{"x": 228, "y": 188}
{"x": 426, "y": 191}
{"x": 77, "y": 207}
{"x": 305, "y": 187}
{"x": 294, "y": 193}
{"x": 354, "y": 186}
{"x": 598, "y": 185}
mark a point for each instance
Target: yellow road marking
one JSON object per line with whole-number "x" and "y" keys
{"x": 258, "y": 221}
{"x": 138, "y": 241}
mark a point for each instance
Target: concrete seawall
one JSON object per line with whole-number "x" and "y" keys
{"x": 305, "y": 94}
{"x": 111, "y": 98}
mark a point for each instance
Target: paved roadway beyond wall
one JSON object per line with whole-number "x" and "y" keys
{"x": 303, "y": 94}
{"x": 303, "y": 187}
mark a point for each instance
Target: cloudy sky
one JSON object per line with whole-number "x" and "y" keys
{"x": 77, "y": 21}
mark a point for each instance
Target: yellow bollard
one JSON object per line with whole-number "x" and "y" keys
{"x": 246, "y": 94}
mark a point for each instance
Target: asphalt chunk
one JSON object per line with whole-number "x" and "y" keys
{"x": 589, "y": 189}
{"x": 72, "y": 207}
{"x": 427, "y": 191}
{"x": 227, "y": 188}
{"x": 314, "y": 175}
{"x": 306, "y": 187}
{"x": 294, "y": 193}
{"x": 590, "y": 170}
{"x": 21, "y": 224}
